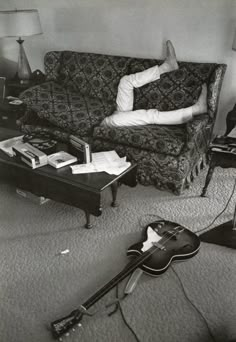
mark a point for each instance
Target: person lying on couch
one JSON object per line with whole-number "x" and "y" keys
{"x": 126, "y": 116}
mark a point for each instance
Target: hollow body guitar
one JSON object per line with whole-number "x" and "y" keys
{"x": 163, "y": 242}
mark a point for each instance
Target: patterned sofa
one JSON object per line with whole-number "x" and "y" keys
{"x": 80, "y": 90}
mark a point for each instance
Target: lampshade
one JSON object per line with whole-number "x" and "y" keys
{"x": 19, "y": 23}
{"x": 234, "y": 42}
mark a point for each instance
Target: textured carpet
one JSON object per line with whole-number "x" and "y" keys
{"x": 38, "y": 285}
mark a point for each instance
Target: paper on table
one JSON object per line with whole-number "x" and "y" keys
{"x": 232, "y": 134}
{"x": 108, "y": 161}
{"x": 6, "y": 145}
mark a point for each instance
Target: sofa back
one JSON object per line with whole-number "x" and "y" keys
{"x": 98, "y": 75}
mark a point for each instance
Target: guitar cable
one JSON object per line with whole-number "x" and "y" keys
{"x": 119, "y": 307}
{"x": 202, "y": 229}
{"x": 193, "y": 305}
{"x": 221, "y": 212}
{"x": 118, "y": 300}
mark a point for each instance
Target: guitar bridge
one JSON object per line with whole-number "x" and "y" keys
{"x": 159, "y": 245}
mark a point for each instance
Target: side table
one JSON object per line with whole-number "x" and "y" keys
{"x": 9, "y": 114}
{"x": 222, "y": 153}
{"x": 14, "y": 87}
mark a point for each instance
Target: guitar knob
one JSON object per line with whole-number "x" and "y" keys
{"x": 67, "y": 334}
{"x": 79, "y": 325}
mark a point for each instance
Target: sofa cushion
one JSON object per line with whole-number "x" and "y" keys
{"x": 95, "y": 75}
{"x": 174, "y": 90}
{"x": 178, "y": 89}
{"x": 74, "y": 112}
{"x": 162, "y": 139}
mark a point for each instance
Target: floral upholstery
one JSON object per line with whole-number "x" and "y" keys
{"x": 73, "y": 112}
{"x": 92, "y": 74}
{"x": 81, "y": 88}
{"x": 161, "y": 139}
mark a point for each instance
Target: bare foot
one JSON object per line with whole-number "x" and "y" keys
{"x": 170, "y": 62}
{"x": 200, "y": 107}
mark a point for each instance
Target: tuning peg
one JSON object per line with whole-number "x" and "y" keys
{"x": 67, "y": 334}
{"x": 79, "y": 325}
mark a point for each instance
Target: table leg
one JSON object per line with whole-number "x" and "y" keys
{"x": 88, "y": 225}
{"x": 208, "y": 178}
{"x": 234, "y": 219}
{"x": 114, "y": 190}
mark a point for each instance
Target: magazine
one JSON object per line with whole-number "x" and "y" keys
{"x": 61, "y": 159}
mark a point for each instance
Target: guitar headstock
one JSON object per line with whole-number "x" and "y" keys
{"x": 62, "y": 326}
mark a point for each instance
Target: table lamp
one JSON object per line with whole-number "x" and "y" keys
{"x": 20, "y": 23}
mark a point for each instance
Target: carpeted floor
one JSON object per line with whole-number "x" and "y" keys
{"x": 38, "y": 285}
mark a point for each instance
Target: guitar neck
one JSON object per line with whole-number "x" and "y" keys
{"x": 129, "y": 268}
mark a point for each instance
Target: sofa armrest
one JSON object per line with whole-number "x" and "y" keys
{"x": 213, "y": 90}
{"x": 205, "y": 122}
{"x": 52, "y": 63}
{"x": 199, "y": 126}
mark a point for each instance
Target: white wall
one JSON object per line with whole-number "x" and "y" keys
{"x": 201, "y": 30}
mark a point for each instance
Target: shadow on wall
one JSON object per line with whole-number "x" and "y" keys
{"x": 7, "y": 68}
{"x": 8, "y": 57}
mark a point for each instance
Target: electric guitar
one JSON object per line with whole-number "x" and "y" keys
{"x": 163, "y": 242}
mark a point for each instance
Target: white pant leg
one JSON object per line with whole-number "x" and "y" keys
{"x": 147, "y": 117}
{"x": 125, "y": 95}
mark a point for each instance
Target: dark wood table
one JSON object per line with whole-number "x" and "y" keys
{"x": 225, "y": 158}
{"x": 83, "y": 191}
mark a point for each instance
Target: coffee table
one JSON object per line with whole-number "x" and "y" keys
{"x": 83, "y": 191}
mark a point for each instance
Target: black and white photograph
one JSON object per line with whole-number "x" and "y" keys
{"x": 118, "y": 170}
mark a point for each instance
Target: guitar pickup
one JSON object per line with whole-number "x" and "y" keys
{"x": 159, "y": 245}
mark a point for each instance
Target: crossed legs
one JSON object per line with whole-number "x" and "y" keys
{"x": 125, "y": 116}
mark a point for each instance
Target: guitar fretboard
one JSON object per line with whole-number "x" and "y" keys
{"x": 131, "y": 266}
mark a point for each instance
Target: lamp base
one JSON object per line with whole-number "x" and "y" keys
{"x": 224, "y": 235}
{"x": 24, "y": 73}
